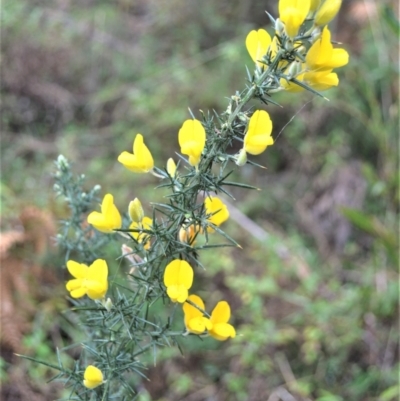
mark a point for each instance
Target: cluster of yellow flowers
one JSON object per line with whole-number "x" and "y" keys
{"x": 313, "y": 57}
{"x": 302, "y": 36}
{"x": 178, "y": 275}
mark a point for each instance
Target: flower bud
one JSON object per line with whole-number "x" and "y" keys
{"x": 108, "y": 304}
{"x": 293, "y": 70}
{"x": 327, "y": 12}
{"x": 241, "y": 158}
{"x": 279, "y": 27}
{"x": 135, "y": 211}
{"x": 171, "y": 167}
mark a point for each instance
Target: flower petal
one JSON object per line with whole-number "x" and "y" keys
{"x": 221, "y": 313}
{"x": 257, "y": 44}
{"x": 222, "y": 331}
{"x": 98, "y": 271}
{"x": 327, "y": 12}
{"x": 198, "y": 325}
{"x": 178, "y": 272}
{"x": 190, "y": 311}
{"x": 177, "y": 293}
{"x": 77, "y": 270}
{"x": 96, "y": 289}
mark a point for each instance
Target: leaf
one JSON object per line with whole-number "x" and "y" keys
{"x": 390, "y": 394}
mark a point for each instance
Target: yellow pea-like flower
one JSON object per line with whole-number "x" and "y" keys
{"x": 192, "y": 139}
{"x": 327, "y": 12}
{"x": 258, "y": 135}
{"x": 195, "y": 321}
{"x": 221, "y": 330}
{"x": 257, "y": 44}
{"x": 178, "y": 278}
{"x": 141, "y": 161}
{"x": 90, "y": 281}
{"x": 109, "y": 219}
{"x": 323, "y": 57}
{"x": 216, "y": 210}
{"x": 293, "y": 13}
{"x": 93, "y": 377}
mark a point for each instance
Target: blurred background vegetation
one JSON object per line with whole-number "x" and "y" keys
{"x": 315, "y": 290}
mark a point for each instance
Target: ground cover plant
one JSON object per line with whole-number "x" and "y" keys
{"x": 321, "y": 258}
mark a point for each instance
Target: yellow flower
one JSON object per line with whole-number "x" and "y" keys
{"x": 171, "y": 167}
{"x": 293, "y": 13}
{"x": 93, "y": 377}
{"x": 90, "y": 281}
{"x": 258, "y": 135}
{"x": 188, "y": 233}
{"x": 216, "y": 210}
{"x": 319, "y": 81}
{"x": 145, "y": 224}
{"x": 327, "y": 12}
{"x": 322, "y": 56}
{"x": 257, "y": 43}
{"x": 178, "y": 278}
{"x": 192, "y": 139}
{"x": 141, "y": 161}
{"x": 135, "y": 210}
{"x": 195, "y": 321}
{"x": 109, "y": 219}
{"x": 221, "y": 329}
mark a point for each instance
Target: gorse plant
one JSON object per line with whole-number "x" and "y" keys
{"x": 162, "y": 242}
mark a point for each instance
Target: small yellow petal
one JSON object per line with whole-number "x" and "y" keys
{"x": 78, "y": 293}
{"x": 221, "y": 313}
{"x": 177, "y": 293}
{"x": 189, "y": 310}
{"x": 222, "y": 331}
{"x": 96, "y": 289}
{"x": 314, "y": 5}
{"x": 327, "y": 12}
{"x": 198, "y": 325}
{"x": 77, "y": 270}
{"x": 98, "y": 271}
{"x": 257, "y": 44}
{"x": 293, "y": 13}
